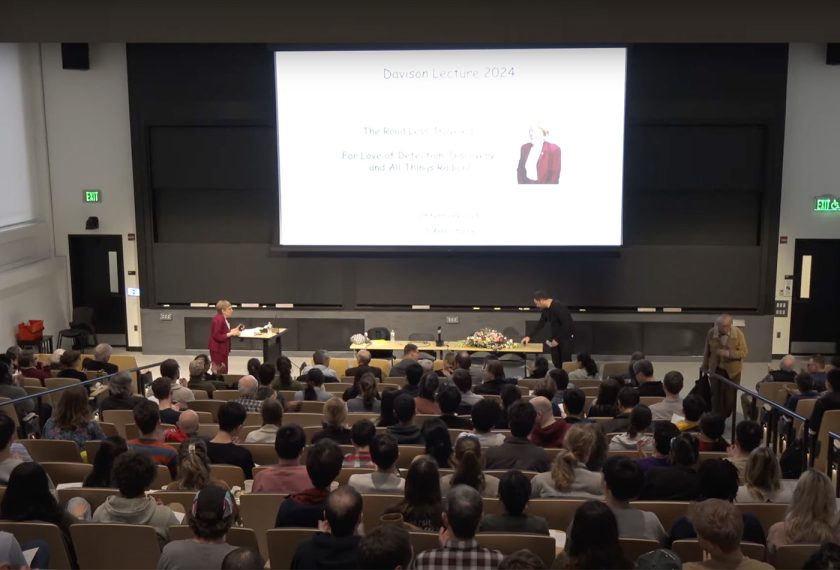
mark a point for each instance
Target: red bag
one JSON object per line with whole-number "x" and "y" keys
{"x": 32, "y": 331}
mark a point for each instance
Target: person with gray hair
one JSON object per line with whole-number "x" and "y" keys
{"x": 462, "y": 510}
{"x": 247, "y": 387}
{"x": 101, "y": 356}
{"x": 120, "y": 395}
{"x": 723, "y": 356}
{"x": 198, "y": 381}
{"x": 321, "y": 360}
{"x": 786, "y": 372}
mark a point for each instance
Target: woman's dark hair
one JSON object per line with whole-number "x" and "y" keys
{"x": 495, "y": 369}
{"x": 514, "y": 491}
{"x": 5, "y": 374}
{"x": 608, "y": 392}
{"x": 284, "y": 370}
{"x": 685, "y": 450}
{"x": 422, "y": 485}
{"x": 438, "y": 443}
{"x": 545, "y": 388}
{"x": 588, "y": 364}
{"x": 28, "y": 496}
{"x": 712, "y": 425}
{"x": 540, "y": 367}
{"x": 314, "y": 378}
{"x": 386, "y": 408}
{"x": 509, "y": 395}
{"x": 253, "y": 367}
{"x": 640, "y": 420}
{"x": 468, "y": 458}
{"x": 593, "y": 542}
{"x": 367, "y": 389}
{"x": 664, "y": 433}
{"x": 429, "y": 384}
{"x": 109, "y": 449}
{"x": 560, "y": 377}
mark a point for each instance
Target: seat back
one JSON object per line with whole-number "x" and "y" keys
{"x": 613, "y": 369}
{"x": 120, "y": 418}
{"x": 231, "y": 474}
{"x": 52, "y": 450}
{"x": 28, "y": 531}
{"x": 33, "y": 382}
{"x": 383, "y": 364}
{"x": 127, "y": 362}
{"x": 183, "y": 498}
{"x": 804, "y": 408}
{"x": 236, "y": 536}
{"x": 283, "y": 543}
{"x": 407, "y": 455}
{"x": 66, "y": 472}
{"x": 346, "y": 472}
{"x": 557, "y": 512}
{"x": 635, "y": 547}
{"x": 200, "y": 394}
{"x": 374, "y": 507}
{"x": 115, "y": 546}
{"x": 303, "y": 419}
{"x": 208, "y": 430}
{"x": 774, "y": 391}
{"x": 767, "y": 514}
{"x": 162, "y": 477}
{"x": 666, "y": 511}
{"x": 689, "y": 550}
{"x": 263, "y": 453}
{"x": 650, "y": 400}
{"x": 541, "y": 545}
{"x": 311, "y": 407}
{"x": 207, "y": 406}
{"x": 793, "y": 555}
{"x": 253, "y": 419}
{"x": 830, "y": 422}
{"x": 259, "y": 512}
{"x": 231, "y": 380}
{"x": 226, "y": 395}
{"x": 93, "y": 495}
{"x": 422, "y": 541}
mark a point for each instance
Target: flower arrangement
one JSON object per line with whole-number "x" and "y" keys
{"x": 489, "y": 338}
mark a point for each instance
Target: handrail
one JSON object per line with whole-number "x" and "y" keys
{"x": 832, "y": 437}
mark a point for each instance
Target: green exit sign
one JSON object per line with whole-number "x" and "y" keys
{"x": 827, "y": 203}
{"x": 92, "y": 196}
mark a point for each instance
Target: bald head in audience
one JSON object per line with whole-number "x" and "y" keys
{"x": 462, "y": 512}
{"x": 188, "y": 422}
{"x": 247, "y": 387}
{"x": 545, "y": 414}
{"x": 363, "y": 357}
{"x": 343, "y": 511}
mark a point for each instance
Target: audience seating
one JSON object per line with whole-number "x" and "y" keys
{"x": 283, "y": 543}
{"x": 288, "y": 395}
{"x": 587, "y": 383}
{"x": 396, "y": 381}
{"x": 793, "y": 555}
{"x": 407, "y": 455}
{"x": 774, "y": 391}
{"x": 358, "y": 416}
{"x": 666, "y": 511}
{"x": 183, "y": 498}
{"x": 115, "y": 546}
{"x": 590, "y": 391}
{"x": 66, "y": 471}
{"x": 262, "y": 453}
{"x": 650, "y": 400}
{"x": 635, "y": 547}
{"x": 421, "y": 541}
{"x": 9, "y": 409}
{"x": 382, "y": 363}
{"x": 499, "y": 472}
{"x": 454, "y": 433}
{"x": 200, "y": 394}
{"x": 50, "y": 533}
{"x": 302, "y": 419}
{"x": 236, "y": 536}
{"x": 245, "y": 430}
{"x": 804, "y": 408}
{"x": 335, "y": 388}
{"x": 559, "y": 513}
{"x": 120, "y": 418}
{"x": 133, "y": 432}
{"x": 231, "y": 380}
{"x": 52, "y": 450}
{"x": 374, "y": 506}
{"x": 93, "y": 495}
{"x": 225, "y": 395}
{"x": 253, "y": 419}
{"x": 541, "y": 545}
{"x": 346, "y": 472}
{"x": 309, "y": 431}
{"x": 614, "y": 369}
{"x": 208, "y": 430}
{"x": 162, "y": 477}
{"x": 109, "y": 429}
{"x": 232, "y": 474}
{"x": 493, "y": 506}
{"x": 126, "y": 362}
{"x": 767, "y": 514}
{"x": 259, "y": 512}
{"x": 310, "y": 407}
{"x": 31, "y": 382}
{"x": 570, "y": 366}
{"x": 830, "y": 422}
{"x": 211, "y": 406}
{"x": 689, "y": 550}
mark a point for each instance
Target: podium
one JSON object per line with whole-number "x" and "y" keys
{"x": 271, "y": 341}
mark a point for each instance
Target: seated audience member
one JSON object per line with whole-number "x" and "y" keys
{"x": 406, "y": 432}
{"x": 828, "y": 401}
{"x": 265, "y": 376}
{"x": 719, "y": 529}
{"x": 425, "y": 402}
{"x": 72, "y": 419}
{"x": 243, "y": 558}
{"x": 710, "y": 437}
{"x": 469, "y": 465}
{"x": 185, "y": 428}
{"x": 306, "y": 508}
{"x": 437, "y": 441}
{"x": 386, "y": 408}
{"x": 385, "y": 547}
{"x": 547, "y": 388}
{"x": 162, "y": 390}
{"x": 361, "y": 435}
{"x": 284, "y": 380}
{"x": 119, "y": 394}
{"x": 363, "y": 358}
{"x": 410, "y": 356}
{"x": 574, "y": 401}
{"x": 272, "y": 419}
{"x": 826, "y": 557}
{"x": 101, "y": 356}
{"x": 718, "y": 480}
{"x": 447, "y": 365}
{"x": 287, "y": 475}
{"x": 71, "y": 362}
{"x": 247, "y": 387}
{"x": 672, "y": 404}
{"x": 816, "y": 368}
{"x": 494, "y": 379}
{"x": 593, "y": 540}
{"x": 367, "y": 396}
{"x": 514, "y": 492}
{"x": 692, "y": 410}
{"x": 197, "y": 380}
{"x": 569, "y": 476}
{"x": 548, "y": 431}
{"x": 193, "y": 468}
{"x": 252, "y": 367}
{"x": 748, "y": 436}
{"x": 637, "y": 435}
{"x": 521, "y": 559}
{"x": 648, "y": 386}
{"x": 763, "y": 479}
{"x": 110, "y": 448}
{"x": 785, "y": 373}
{"x": 8, "y": 389}
{"x": 804, "y": 391}
{"x": 463, "y": 361}
{"x": 133, "y": 475}
{"x": 485, "y": 415}
{"x": 321, "y": 361}
{"x": 606, "y": 404}
{"x": 463, "y": 508}
{"x": 811, "y": 516}
{"x": 55, "y": 360}
{"x": 462, "y": 379}
{"x": 679, "y": 480}
{"x": 314, "y": 390}
{"x": 210, "y": 373}
{"x": 337, "y": 546}
{"x": 449, "y": 400}
{"x": 384, "y": 453}
{"x": 623, "y": 480}
{"x": 517, "y": 452}
{"x": 180, "y": 394}
{"x": 413, "y": 374}
{"x": 222, "y": 448}
{"x": 628, "y": 398}
{"x": 335, "y": 423}
{"x": 587, "y": 369}
{"x": 29, "y": 366}
{"x": 539, "y": 369}
{"x": 421, "y": 503}
{"x": 663, "y": 434}
{"x": 213, "y": 513}
{"x": 150, "y": 442}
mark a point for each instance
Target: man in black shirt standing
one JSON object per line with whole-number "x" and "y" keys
{"x": 560, "y": 335}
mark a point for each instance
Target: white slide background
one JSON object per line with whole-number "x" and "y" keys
{"x": 371, "y": 160}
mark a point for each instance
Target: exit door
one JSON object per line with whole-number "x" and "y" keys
{"x": 96, "y": 278}
{"x": 815, "y": 311}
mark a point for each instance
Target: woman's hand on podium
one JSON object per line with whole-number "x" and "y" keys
{"x": 526, "y": 339}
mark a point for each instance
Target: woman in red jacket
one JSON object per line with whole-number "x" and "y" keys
{"x": 220, "y": 333}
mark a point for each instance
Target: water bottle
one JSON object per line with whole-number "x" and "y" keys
{"x": 269, "y": 327}
{"x": 393, "y": 336}
{"x": 439, "y": 337}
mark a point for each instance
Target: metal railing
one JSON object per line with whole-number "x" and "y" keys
{"x": 833, "y": 460}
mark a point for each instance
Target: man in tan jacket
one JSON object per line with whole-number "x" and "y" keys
{"x": 726, "y": 347}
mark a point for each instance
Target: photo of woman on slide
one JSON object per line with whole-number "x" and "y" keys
{"x": 539, "y": 167}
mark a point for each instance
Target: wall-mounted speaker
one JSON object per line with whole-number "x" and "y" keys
{"x": 832, "y": 54}
{"x": 75, "y": 56}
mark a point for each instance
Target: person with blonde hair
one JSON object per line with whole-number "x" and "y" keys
{"x": 469, "y": 465}
{"x": 811, "y": 516}
{"x": 335, "y": 420}
{"x": 568, "y": 475}
{"x": 72, "y": 419}
{"x": 763, "y": 479}
{"x": 719, "y": 529}
{"x": 220, "y": 335}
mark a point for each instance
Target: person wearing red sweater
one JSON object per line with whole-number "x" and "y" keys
{"x": 220, "y": 333}
{"x": 548, "y": 431}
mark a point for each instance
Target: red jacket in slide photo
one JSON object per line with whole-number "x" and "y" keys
{"x": 548, "y": 165}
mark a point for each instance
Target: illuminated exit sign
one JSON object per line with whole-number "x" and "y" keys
{"x": 92, "y": 196}
{"x": 827, "y": 203}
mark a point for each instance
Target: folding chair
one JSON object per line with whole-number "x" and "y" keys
{"x": 29, "y": 531}
{"x": 115, "y": 546}
{"x": 52, "y": 450}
